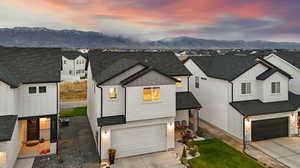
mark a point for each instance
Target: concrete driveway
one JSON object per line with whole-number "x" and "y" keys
{"x": 154, "y": 160}
{"x": 285, "y": 150}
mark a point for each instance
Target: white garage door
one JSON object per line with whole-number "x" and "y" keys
{"x": 139, "y": 140}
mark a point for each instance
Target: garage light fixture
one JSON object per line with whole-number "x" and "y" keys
{"x": 248, "y": 123}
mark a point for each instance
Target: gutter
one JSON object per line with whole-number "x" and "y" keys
{"x": 244, "y": 135}
{"x": 100, "y": 133}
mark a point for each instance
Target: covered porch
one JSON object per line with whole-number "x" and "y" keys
{"x": 37, "y": 136}
{"x": 187, "y": 114}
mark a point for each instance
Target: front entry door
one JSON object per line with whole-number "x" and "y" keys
{"x": 33, "y": 129}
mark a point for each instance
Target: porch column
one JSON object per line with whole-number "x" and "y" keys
{"x": 53, "y": 132}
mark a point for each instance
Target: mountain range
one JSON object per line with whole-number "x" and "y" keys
{"x": 43, "y": 37}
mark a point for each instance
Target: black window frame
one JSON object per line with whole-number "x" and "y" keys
{"x": 45, "y": 91}
{"x": 32, "y": 90}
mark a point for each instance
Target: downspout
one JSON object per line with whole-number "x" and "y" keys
{"x": 57, "y": 116}
{"x": 100, "y": 134}
{"x": 244, "y": 135}
{"x": 231, "y": 91}
{"x": 188, "y": 83}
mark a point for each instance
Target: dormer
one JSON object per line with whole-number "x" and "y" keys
{"x": 273, "y": 85}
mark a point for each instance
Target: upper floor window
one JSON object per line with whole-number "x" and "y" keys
{"x": 42, "y": 89}
{"x": 2, "y": 159}
{"x": 275, "y": 87}
{"x": 32, "y": 90}
{"x": 246, "y": 88}
{"x": 197, "y": 80}
{"x": 65, "y": 61}
{"x": 152, "y": 94}
{"x": 113, "y": 93}
{"x": 179, "y": 83}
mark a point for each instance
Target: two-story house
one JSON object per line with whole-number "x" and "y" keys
{"x": 28, "y": 102}
{"x": 246, "y": 96}
{"x": 134, "y": 99}
{"x": 73, "y": 65}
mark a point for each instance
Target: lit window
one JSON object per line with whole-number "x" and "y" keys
{"x": 275, "y": 87}
{"x": 246, "y": 88}
{"x": 42, "y": 89}
{"x": 179, "y": 83}
{"x": 152, "y": 94}
{"x": 113, "y": 93}
{"x": 32, "y": 90}
{"x": 196, "y": 81}
{"x": 2, "y": 159}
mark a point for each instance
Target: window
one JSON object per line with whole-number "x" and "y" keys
{"x": 179, "y": 83}
{"x": 152, "y": 94}
{"x": 77, "y": 72}
{"x": 246, "y": 88}
{"x": 275, "y": 87}
{"x": 113, "y": 93}
{"x": 77, "y": 62}
{"x": 197, "y": 81}
{"x": 2, "y": 159}
{"x": 65, "y": 61}
{"x": 70, "y": 72}
{"x": 32, "y": 90}
{"x": 42, "y": 89}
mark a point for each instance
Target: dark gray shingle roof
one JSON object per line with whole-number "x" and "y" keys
{"x": 224, "y": 67}
{"x": 186, "y": 100}
{"x": 266, "y": 74}
{"x": 111, "y": 120}
{"x": 257, "y": 107}
{"x": 29, "y": 65}
{"x": 291, "y": 57}
{"x": 7, "y": 126}
{"x": 73, "y": 54}
{"x": 105, "y": 65}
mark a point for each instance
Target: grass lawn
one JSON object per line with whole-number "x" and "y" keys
{"x": 216, "y": 154}
{"x": 78, "y": 111}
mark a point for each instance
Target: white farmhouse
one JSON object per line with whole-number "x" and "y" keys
{"x": 135, "y": 99}
{"x": 246, "y": 96}
{"x": 73, "y": 66}
{"x": 290, "y": 63}
{"x": 28, "y": 102}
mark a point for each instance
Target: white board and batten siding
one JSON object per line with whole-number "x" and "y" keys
{"x": 294, "y": 84}
{"x": 215, "y": 96}
{"x": 37, "y": 104}
{"x": 7, "y": 100}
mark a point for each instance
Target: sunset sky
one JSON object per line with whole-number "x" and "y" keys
{"x": 273, "y": 20}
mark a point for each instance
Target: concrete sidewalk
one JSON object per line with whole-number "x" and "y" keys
{"x": 24, "y": 163}
{"x": 253, "y": 152}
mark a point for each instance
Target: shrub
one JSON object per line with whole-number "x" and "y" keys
{"x": 199, "y": 132}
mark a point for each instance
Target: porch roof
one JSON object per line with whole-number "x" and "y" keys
{"x": 111, "y": 120}
{"x": 257, "y": 107}
{"x": 7, "y": 126}
{"x": 186, "y": 100}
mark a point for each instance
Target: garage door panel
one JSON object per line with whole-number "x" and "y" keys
{"x": 270, "y": 128}
{"x": 139, "y": 140}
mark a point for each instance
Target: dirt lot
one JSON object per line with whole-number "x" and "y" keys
{"x": 73, "y": 92}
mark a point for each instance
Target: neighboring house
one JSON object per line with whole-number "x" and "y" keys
{"x": 73, "y": 66}
{"x": 289, "y": 62}
{"x": 28, "y": 102}
{"x": 135, "y": 99}
{"x": 247, "y": 97}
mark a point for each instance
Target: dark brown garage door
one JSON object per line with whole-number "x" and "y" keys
{"x": 271, "y": 128}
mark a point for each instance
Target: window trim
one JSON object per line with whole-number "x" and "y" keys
{"x": 275, "y": 89}
{"x": 35, "y": 90}
{"x": 153, "y": 99}
{"x": 197, "y": 82}
{"x": 248, "y": 88}
{"x": 42, "y": 87}
{"x": 113, "y": 90}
